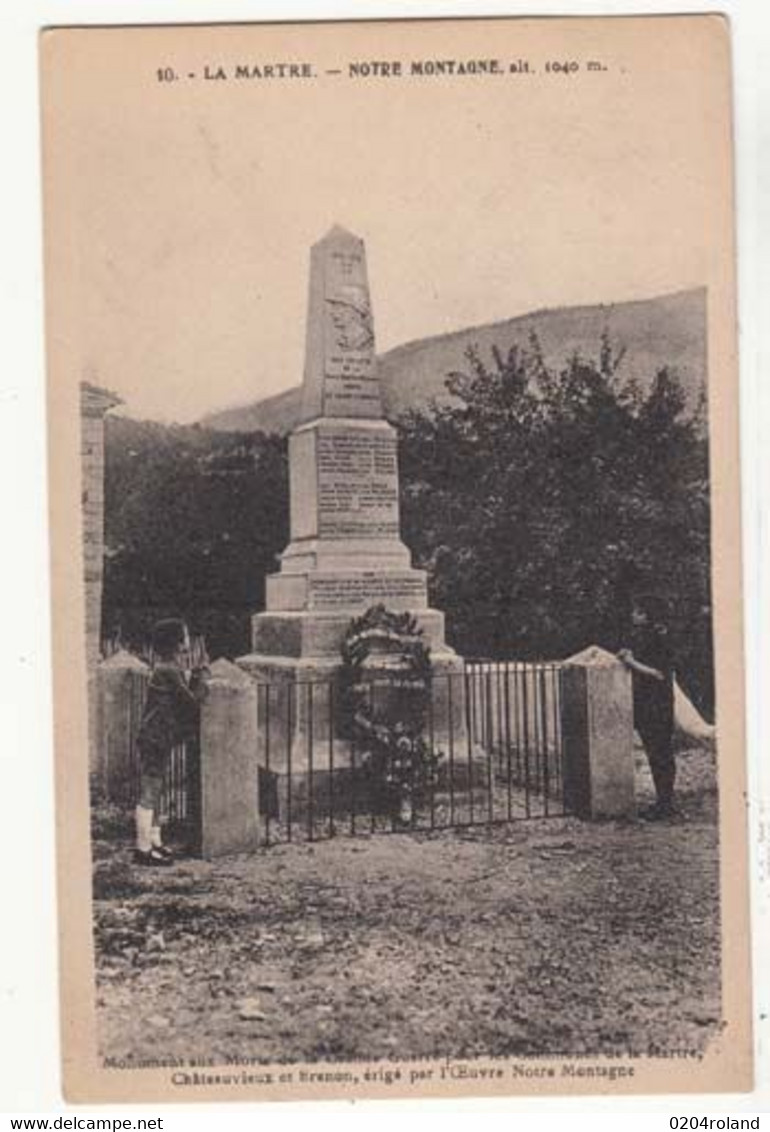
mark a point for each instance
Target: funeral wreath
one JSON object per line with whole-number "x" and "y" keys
{"x": 385, "y": 684}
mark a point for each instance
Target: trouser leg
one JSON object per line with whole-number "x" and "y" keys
{"x": 662, "y": 765}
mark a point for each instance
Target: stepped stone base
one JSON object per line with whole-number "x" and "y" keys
{"x": 348, "y": 797}
{"x": 314, "y": 635}
{"x": 329, "y": 590}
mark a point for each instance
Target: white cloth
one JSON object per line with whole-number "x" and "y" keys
{"x": 689, "y": 723}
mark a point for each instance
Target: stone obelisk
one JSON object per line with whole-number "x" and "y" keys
{"x": 345, "y": 553}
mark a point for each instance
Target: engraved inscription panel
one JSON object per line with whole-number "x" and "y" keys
{"x": 357, "y": 485}
{"x": 348, "y": 592}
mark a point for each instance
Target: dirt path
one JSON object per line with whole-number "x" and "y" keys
{"x": 540, "y": 937}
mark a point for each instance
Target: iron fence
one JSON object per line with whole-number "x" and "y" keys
{"x": 492, "y": 753}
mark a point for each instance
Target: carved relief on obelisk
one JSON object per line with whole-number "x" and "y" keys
{"x": 340, "y": 377}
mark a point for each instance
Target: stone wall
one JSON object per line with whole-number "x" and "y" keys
{"x": 94, "y": 403}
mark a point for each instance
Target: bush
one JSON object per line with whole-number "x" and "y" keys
{"x": 539, "y": 501}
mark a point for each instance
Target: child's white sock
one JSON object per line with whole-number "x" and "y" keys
{"x": 155, "y": 837}
{"x": 143, "y": 829}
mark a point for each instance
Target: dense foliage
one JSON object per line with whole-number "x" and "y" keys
{"x": 194, "y": 520}
{"x": 539, "y": 501}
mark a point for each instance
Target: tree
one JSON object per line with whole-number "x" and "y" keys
{"x": 538, "y": 500}
{"x": 194, "y": 520}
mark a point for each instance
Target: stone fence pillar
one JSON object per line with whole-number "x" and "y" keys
{"x": 598, "y": 736}
{"x": 229, "y": 775}
{"x": 121, "y": 689}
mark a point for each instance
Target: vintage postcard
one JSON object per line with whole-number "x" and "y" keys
{"x": 396, "y": 558}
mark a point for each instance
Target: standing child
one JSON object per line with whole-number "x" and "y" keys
{"x": 652, "y": 668}
{"x": 170, "y": 717}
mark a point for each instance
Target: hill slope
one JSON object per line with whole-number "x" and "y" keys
{"x": 669, "y": 330}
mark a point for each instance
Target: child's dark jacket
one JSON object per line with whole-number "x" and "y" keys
{"x": 171, "y": 711}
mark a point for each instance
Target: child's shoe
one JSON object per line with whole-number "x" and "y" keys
{"x": 157, "y": 843}
{"x": 661, "y": 811}
{"x": 153, "y": 858}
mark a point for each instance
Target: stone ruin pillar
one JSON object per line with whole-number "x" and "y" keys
{"x": 598, "y": 736}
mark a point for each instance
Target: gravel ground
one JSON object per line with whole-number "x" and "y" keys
{"x": 554, "y": 936}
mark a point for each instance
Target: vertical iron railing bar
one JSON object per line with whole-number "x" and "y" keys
{"x": 560, "y": 732}
{"x": 500, "y": 722}
{"x": 187, "y": 759}
{"x": 507, "y": 724}
{"x": 471, "y": 730}
{"x": 133, "y": 786}
{"x": 310, "y": 814}
{"x": 489, "y": 715}
{"x": 544, "y": 729}
{"x": 181, "y": 781}
{"x": 182, "y": 784}
{"x": 393, "y": 802}
{"x": 481, "y": 706}
{"x": 555, "y": 727}
{"x": 291, "y": 689}
{"x": 525, "y": 722}
{"x": 268, "y": 780}
{"x": 536, "y": 737}
{"x": 135, "y": 720}
{"x": 490, "y": 755}
{"x": 517, "y": 722}
{"x": 369, "y": 797}
{"x": 450, "y": 708}
{"x": 432, "y": 750}
{"x": 353, "y": 784}
{"x": 165, "y": 797}
{"x": 331, "y": 757}
{"x": 132, "y": 730}
{"x": 168, "y": 786}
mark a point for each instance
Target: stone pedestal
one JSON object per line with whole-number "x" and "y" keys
{"x": 229, "y": 783}
{"x": 598, "y": 738}
{"x": 345, "y": 554}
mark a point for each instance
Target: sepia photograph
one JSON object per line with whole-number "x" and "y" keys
{"x": 396, "y": 569}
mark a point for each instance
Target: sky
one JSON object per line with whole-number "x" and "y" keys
{"x": 185, "y": 211}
